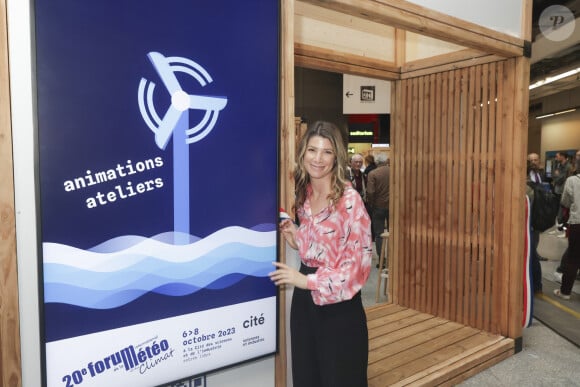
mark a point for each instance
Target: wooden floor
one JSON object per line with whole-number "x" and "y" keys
{"x": 407, "y": 347}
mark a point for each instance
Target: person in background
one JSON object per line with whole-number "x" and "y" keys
{"x": 535, "y": 175}
{"x": 560, "y": 269}
{"x": 329, "y": 336}
{"x": 534, "y": 178}
{"x": 562, "y": 170}
{"x": 356, "y": 176}
{"x": 571, "y": 201}
{"x": 369, "y": 165}
{"x": 378, "y": 199}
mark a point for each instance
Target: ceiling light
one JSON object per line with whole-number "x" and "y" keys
{"x": 554, "y": 78}
{"x": 556, "y": 113}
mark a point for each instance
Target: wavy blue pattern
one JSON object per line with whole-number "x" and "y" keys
{"x": 123, "y": 269}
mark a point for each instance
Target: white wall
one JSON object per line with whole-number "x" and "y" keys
{"x": 560, "y": 133}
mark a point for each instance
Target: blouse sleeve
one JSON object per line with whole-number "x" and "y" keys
{"x": 351, "y": 266}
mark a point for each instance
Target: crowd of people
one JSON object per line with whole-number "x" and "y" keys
{"x": 564, "y": 183}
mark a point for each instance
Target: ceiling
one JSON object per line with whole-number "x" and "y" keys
{"x": 550, "y": 57}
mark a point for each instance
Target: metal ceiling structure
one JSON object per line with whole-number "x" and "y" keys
{"x": 550, "y": 57}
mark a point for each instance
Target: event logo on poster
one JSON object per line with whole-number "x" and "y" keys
{"x": 176, "y": 122}
{"x": 181, "y": 102}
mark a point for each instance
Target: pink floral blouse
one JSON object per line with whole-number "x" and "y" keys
{"x": 338, "y": 242}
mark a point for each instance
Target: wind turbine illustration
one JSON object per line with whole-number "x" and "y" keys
{"x": 176, "y": 122}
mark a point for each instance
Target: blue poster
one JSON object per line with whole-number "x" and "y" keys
{"x": 157, "y": 138}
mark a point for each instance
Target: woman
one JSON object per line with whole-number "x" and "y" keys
{"x": 327, "y": 321}
{"x": 571, "y": 200}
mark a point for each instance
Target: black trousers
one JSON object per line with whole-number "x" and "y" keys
{"x": 572, "y": 263}
{"x": 329, "y": 343}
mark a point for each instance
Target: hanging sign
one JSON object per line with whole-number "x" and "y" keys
{"x": 362, "y": 95}
{"x": 158, "y": 187}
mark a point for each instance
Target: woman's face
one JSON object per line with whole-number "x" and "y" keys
{"x": 319, "y": 158}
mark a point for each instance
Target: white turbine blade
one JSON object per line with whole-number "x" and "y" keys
{"x": 165, "y": 129}
{"x": 201, "y": 102}
{"x": 165, "y": 72}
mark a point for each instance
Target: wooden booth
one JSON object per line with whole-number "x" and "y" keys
{"x": 458, "y": 140}
{"x": 457, "y": 151}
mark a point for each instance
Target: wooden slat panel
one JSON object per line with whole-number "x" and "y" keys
{"x": 421, "y": 194}
{"x": 421, "y": 349}
{"x": 455, "y": 237}
{"x": 507, "y": 86}
{"x": 410, "y": 347}
{"x": 449, "y": 205}
{"x": 480, "y": 207}
{"x": 395, "y": 196}
{"x": 426, "y": 223}
{"x": 448, "y": 66}
{"x": 520, "y": 68}
{"x": 462, "y": 188}
{"x": 380, "y": 310}
{"x": 455, "y": 132}
{"x": 442, "y": 177}
{"x": 426, "y": 366}
{"x": 408, "y": 326}
{"x": 452, "y": 371}
{"x": 475, "y": 369}
{"x": 500, "y": 289}
{"x": 411, "y": 272}
{"x": 469, "y": 188}
{"x": 394, "y": 218}
{"x": 490, "y": 197}
{"x": 375, "y": 325}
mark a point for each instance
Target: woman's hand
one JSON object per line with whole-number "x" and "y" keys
{"x": 286, "y": 275}
{"x": 288, "y": 229}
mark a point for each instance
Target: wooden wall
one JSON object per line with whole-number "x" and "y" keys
{"x": 458, "y": 144}
{"x": 10, "y": 374}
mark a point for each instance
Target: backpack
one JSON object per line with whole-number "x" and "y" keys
{"x": 544, "y": 208}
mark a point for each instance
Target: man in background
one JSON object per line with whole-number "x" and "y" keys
{"x": 356, "y": 176}
{"x": 534, "y": 177}
{"x": 378, "y": 198}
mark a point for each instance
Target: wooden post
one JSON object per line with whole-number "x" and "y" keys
{"x": 10, "y": 366}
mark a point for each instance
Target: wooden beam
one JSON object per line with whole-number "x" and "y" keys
{"x": 340, "y": 57}
{"x": 441, "y": 60}
{"x": 519, "y": 123}
{"x": 343, "y": 68}
{"x": 411, "y": 17}
{"x": 286, "y": 190}
{"x": 527, "y": 20}
{"x": 337, "y": 62}
{"x": 10, "y": 365}
{"x": 440, "y": 64}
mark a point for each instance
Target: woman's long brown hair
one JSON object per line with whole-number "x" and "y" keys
{"x": 331, "y": 132}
